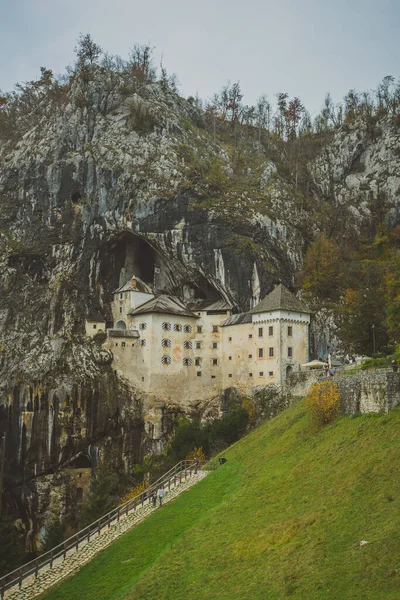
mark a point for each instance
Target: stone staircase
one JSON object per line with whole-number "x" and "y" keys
{"x": 76, "y": 558}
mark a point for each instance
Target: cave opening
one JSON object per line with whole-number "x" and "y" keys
{"x": 126, "y": 256}
{"x": 82, "y": 461}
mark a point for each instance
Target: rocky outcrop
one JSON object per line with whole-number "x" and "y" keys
{"x": 360, "y": 170}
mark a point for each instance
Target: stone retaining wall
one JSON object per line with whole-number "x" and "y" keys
{"x": 365, "y": 391}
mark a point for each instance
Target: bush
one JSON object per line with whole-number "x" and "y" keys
{"x": 196, "y": 453}
{"x": 103, "y": 496}
{"x": 142, "y": 118}
{"x": 56, "y": 532}
{"x": 323, "y": 402}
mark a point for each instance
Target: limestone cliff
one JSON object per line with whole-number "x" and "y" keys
{"x": 104, "y": 180}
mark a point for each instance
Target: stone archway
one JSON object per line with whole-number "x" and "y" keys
{"x": 289, "y": 371}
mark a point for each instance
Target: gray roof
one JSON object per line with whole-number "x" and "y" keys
{"x": 237, "y": 319}
{"x": 280, "y": 299}
{"x": 210, "y": 305}
{"x": 95, "y": 317}
{"x": 168, "y": 305}
{"x": 141, "y": 286}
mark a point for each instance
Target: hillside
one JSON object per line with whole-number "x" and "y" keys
{"x": 283, "y": 518}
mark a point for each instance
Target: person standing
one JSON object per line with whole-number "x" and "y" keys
{"x": 154, "y": 498}
{"x": 160, "y": 494}
{"x": 196, "y": 465}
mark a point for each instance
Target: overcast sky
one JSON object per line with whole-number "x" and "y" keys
{"x": 303, "y": 47}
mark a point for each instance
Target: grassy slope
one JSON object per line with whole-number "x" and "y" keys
{"x": 282, "y": 518}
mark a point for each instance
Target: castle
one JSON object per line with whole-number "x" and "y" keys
{"x": 172, "y": 350}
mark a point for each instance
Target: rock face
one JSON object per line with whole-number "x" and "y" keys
{"x": 102, "y": 186}
{"x": 104, "y": 182}
{"x": 360, "y": 169}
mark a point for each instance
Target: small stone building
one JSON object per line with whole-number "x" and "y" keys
{"x": 95, "y": 323}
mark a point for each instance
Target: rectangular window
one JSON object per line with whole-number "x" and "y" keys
{"x": 116, "y": 343}
{"x": 230, "y": 374}
{"x": 197, "y": 362}
{"x": 270, "y": 352}
{"x": 123, "y": 344}
{"x": 215, "y": 345}
{"x": 270, "y": 330}
{"x": 250, "y": 336}
{"x": 250, "y": 374}
{"x": 212, "y": 376}
{"x": 198, "y": 345}
{"x": 215, "y": 361}
{"x": 229, "y": 339}
{"x": 215, "y": 328}
{"x": 260, "y": 332}
{"x": 290, "y": 352}
{"x": 198, "y": 373}
{"x": 261, "y": 373}
{"x": 95, "y": 326}
{"x": 270, "y": 373}
{"x": 290, "y": 331}
{"x": 260, "y": 352}
{"x": 121, "y": 296}
{"x": 250, "y": 356}
{"x": 229, "y": 357}
{"x": 120, "y": 309}
{"x": 199, "y": 329}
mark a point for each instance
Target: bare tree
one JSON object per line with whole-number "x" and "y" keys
{"x": 141, "y": 63}
{"x": 263, "y": 115}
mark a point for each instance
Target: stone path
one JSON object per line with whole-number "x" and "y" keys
{"x": 75, "y": 559}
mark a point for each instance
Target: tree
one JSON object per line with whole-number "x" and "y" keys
{"x": 87, "y": 51}
{"x": 323, "y": 403}
{"x": 293, "y": 115}
{"x": 103, "y": 496}
{"x": 262, "y": 115}
{"x": 363, "y": 306}
{"x": 281, "y": 115}
{"x": 141, "y": 63}
{"x": 11, "y": 548}
{"x": 322, "y": 273}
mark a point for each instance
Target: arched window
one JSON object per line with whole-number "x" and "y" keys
{"x": 166, "y": 360}
{"x": 187, "y": 362}
{"x": 166, "y": 326}
{"x": 142, "y": 325}
{"x": 166, "y": 343}
{"x": 120, "y": 325}
{"x": 187, "y": 345}
{"x": 142, "y": 342}
{"x": 187, "y": 329}
{"x": 177, "y": 327}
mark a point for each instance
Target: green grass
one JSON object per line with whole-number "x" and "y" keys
{"x": 283, "y": 518}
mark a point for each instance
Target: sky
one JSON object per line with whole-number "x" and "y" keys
{"x": 303, "y": 47}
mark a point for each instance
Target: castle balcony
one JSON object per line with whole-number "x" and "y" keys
{"x": 120, "y": 333}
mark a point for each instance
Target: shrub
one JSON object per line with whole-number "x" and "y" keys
{"x": 56, "y": 532}
{"x": 142, "y": 118}
{"x": 135, "y": 491}
{"x": 323, "y": 402}
{"x": 196, "y": 453}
